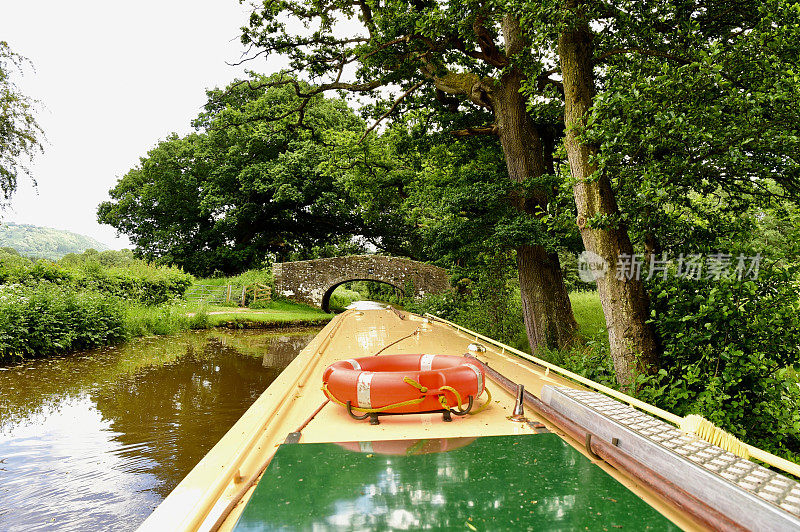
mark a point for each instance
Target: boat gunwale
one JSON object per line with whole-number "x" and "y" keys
{"x": 203, "y": 507}
{"x": 632, "y": 401}
{"x": 757, "y": 453}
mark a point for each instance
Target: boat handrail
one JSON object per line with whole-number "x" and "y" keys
{"x": 632, "y": 401}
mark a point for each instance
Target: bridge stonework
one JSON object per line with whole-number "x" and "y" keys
{"x": 313, "y": 281}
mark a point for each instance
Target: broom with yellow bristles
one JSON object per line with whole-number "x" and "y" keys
{"x": 704, "y": 429}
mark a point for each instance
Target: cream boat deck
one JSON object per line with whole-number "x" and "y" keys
{"x": 201, "y": 500}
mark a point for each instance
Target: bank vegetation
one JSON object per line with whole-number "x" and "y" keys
{"x": 103, "y": 298}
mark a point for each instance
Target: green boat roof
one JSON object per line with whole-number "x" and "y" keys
{"x": 499, "y": 482}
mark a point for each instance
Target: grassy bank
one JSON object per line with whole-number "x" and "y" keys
{"x": 589, "y": 314}
{"x": 275, "y": 313}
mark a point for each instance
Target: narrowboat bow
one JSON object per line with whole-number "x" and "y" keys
{"x": 412, "y": 442}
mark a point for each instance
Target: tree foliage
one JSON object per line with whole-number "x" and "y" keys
{"x": 448, "y": 65}
{"x": 458, "y": 58}
{"x": 669, "y": 106}
{"x": 245, "y": 185}
{"x": 19, "y": 132}
{"x": 730, "y": 352}
{"x": 710, "y": 117}
{"x": 424, "y": 196}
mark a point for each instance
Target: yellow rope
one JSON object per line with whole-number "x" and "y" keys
{"x": 415, "y": 384}
{"x": 371, "y": 410}
{"x": 443, "y": 398}
{"x": 484, "y": 405}
{"x": 422, "y": 389}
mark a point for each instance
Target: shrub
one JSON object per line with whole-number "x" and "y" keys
{"x": 448, "y": 305}
{"x": 161, "y": 320}
{"x": 245, "y": 278}
{"x": 142, "y": 283}
{"x": 137, "y": 280}
{"x": 730, "y": 349}
{"x": 50, "y": 319}
{"x": 590, "y": 360}
{"x": 489, "y": 307}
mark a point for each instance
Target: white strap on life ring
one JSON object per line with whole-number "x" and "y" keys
{"x": 353, "y": 362}
{"x": 478, "y": 374}
{"x": 426, "y": 362}
{"x": 363, "y": 389}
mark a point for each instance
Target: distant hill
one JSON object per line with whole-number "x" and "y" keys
{"x": 44, "y": 242}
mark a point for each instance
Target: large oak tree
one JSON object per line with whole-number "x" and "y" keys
{"x": 667, "y": 102}
{"x": 467, "y": 55}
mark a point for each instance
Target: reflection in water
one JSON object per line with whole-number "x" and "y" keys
{"x": 97, "y": 440}
{"x": 531, "y": 482}
{"x": 407, "y": 447}
{"x": 66, "y": 469}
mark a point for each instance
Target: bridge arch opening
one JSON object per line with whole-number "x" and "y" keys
{"x": 326, "y": 298}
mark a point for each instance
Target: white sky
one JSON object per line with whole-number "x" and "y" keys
{"x": 114, "y": 78}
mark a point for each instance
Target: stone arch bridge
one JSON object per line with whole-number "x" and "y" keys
{"x": 313, "y": 281}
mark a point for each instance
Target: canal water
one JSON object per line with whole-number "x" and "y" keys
{"x": 97, "y": 439}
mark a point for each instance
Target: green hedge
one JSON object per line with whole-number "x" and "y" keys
{"x": 731, "y": 354}
{"x": 50, "y": 319}
{"x": 137, "y": 281}
{"x": 145, "y": 284}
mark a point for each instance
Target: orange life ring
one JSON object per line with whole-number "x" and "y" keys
{"x": 414, "y": 383}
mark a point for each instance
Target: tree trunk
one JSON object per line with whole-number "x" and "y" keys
{"x": 546, "y": 308}
{"x": 625, "y": 301}
{"x": 652, "y": 248}
{"x": 549, "y": 322}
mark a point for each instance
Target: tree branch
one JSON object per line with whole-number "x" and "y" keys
{"x": 385, "y": 45}
{"x": 366, "y": 15}
{"x": 491, "y": 53}
{"x": 477, "y": 89}
{"x": 391, "y": 109}
{"x": 335, "y": 85}
{"x": 474, "y": 131}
